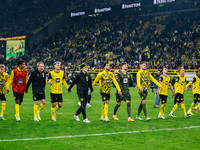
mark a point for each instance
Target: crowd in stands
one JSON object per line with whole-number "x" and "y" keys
{"x": 168, "y": 40}
{"x": 22, "y": 17}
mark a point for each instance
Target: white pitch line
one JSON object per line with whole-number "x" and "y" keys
{"x": 100, "y": 134}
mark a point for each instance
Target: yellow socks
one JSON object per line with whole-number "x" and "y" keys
{"x": 102, "y": 112}
{"x": 40, "y": 107}
{"x": 56, "y": 108}
{"x": 162, "y": 109}
{"x": 3, "y": 107}
{"x": 53, "y": 110}
{"x": 175, "y": 107}
{"x": 106, "y": 110}
{"x": 35, "y": 109}
{"x": 192, "y": 105}
{"x": 17, "y": 110}
{"x": 183, "y": 108}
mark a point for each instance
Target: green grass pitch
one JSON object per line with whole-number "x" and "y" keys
{"x": 66, "y": 133}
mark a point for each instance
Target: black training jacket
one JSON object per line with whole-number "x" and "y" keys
{"x": 83, "y": 82}
{"x": 38, "y": 82}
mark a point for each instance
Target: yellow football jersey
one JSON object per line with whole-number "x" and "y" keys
{"x": 165, "y": 84}
{"x": 196, "y": 85}
{"x": 180, "y": 84}
{"x": 143, "y": 79}
{"x": 57, "y": 79}
{"x": 4, "y": 80}
{"x": 105, "y": 80}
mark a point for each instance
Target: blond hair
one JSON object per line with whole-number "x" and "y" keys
{"x": 56, "y": 62}
{"x": 40, "y": 62}
{"x": 2, "y": 66}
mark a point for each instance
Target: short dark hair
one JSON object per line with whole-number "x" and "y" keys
{"x": 20, "y": 62}
{"x": 123, "y": 63}
{"x": 105, "y": 64}
{"x": 180, "y": 69}
{"x": 142, "y": 62}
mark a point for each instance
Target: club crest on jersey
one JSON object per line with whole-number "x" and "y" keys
{"x": 57, "y": 80}
{"x": 145, "y": 79}
{"x": 1, "y": 83}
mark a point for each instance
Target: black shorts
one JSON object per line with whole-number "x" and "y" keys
{"x": 38, "y": 96}
{"x": 56, "y": 98}
{"x": 3, "y": 97}
{"x": 179, "y": 98}
{"x": 163, "y": 99}
{"x": 18, "y": 96}
{"x": 143, "y": 96}
{"x": 105, "y": 96}
{"x": 196, "y": 98}
{"x": 124, "y": 97}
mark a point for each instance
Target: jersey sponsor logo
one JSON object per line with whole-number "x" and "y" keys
{"x": 107, "y": 80}
{"x": 20, "y": 81}
{"x": 125, "y": 80}
{"x": 166, "y": 83}
{"x": 182, "y": 82}
{"x": 145, "y": 79}
{"x": 1, "y": 83}
{"x": 57, "y": 80}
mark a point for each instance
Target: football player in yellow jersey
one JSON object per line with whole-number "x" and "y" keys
{"x": 164, "y": 80}
{"x": 57, "y": 79}
{"x": 4, "y": 78}
{"x": 105, "y": 79}
{"x": 143, "y": 79}
{"x": 195, "y": 91}
{"x": 180, "y": 87}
